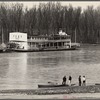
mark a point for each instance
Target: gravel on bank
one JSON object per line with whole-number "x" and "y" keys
{"x": 56, "y": 90}
{"x": 72, "y": 96}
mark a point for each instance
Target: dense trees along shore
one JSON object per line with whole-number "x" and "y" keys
{"x": 49, "y": 18}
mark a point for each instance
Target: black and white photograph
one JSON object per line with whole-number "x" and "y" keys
{"x": 50, "y": 50}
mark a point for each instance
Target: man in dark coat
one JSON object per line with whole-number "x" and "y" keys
{"x": 79, "y": 79}
{"x": 70, "y": 79}
{"x": 64, "y": 80}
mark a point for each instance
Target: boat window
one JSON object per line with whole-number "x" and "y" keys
{"x": 68, "y": 41}
{"x": 59, "y": 43}
{"x": 51, "y": 44}
{"x": 55, "y": 44}
{"x": 56, "y": 38}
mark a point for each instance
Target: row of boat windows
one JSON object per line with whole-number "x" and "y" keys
{"x": 50, "y": 44}
{"x": 50, "y": 38}
{"x": 46, "y": 42}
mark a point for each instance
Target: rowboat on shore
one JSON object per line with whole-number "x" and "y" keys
{"x": 97, "y": 83}
{"x": 50, "y": 85}
{"x": 53, "y": 85}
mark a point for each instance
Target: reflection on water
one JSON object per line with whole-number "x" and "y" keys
{"x": 27, "y": 70}
{"x": 17, "y": 70}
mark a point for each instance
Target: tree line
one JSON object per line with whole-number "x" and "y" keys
{"x": 49, "y": 19}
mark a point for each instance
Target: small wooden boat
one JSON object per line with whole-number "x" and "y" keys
{"x": 97, "y": 83}
{"x": 52, "y": 85}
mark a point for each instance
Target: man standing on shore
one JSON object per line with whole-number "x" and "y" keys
{"x": 64, "y": 80}
{"x": 70, "y": 79}
{"x": 79, "y": 79}
{"x": 84, "y": 81}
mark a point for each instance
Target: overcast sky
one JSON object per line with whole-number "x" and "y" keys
{"x": 82, "y": 4}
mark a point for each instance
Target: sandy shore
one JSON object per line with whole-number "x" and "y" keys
{"x": 56, "y": 96}
{"x": 71, "y": 92}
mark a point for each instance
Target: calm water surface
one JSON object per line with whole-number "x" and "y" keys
{"x": 27, "y": 70}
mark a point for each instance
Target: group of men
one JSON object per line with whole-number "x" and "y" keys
{"x": 64, "y": 80}
{"x": 82, "y": 81}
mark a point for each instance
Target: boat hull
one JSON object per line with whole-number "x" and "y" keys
{"x": 51, "y": 86}
{"x": 1, "y": 51}
{"x": 5, "y": 50}
{"x": 41, "y": 50}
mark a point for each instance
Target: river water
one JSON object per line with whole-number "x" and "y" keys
{"x": 27, "y": 70}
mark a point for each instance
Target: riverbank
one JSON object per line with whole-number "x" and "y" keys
{"x": 71, "y": 92}
{"x": 73, "y": 96}
{"x": 57, "y": 90}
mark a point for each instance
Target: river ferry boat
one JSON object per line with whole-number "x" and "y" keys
{"x": 50, "y": 43}
{"x": 56, "y": 42}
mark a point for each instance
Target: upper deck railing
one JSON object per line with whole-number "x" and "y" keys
{"x": 49, "y": 38}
